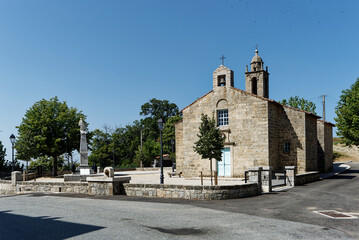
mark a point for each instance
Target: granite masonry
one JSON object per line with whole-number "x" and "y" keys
{"x": 258, "y": 131}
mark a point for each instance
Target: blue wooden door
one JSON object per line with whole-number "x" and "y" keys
{"x": 224, "y": 166}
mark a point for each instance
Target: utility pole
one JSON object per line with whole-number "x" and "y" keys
{"x": 141, "y": 150}
{"x": 323, "y": 101}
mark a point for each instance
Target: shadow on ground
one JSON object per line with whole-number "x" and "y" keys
{"x": 14, "y": 226}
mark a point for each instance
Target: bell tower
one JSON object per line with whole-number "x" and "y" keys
{"x": 223, "y": 78}
{"x": 257, "y": 78}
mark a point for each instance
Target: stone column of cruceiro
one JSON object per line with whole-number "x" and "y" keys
{"x": 84, "y": 167}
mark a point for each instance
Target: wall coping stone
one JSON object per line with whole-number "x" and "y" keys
{"x": 108, "y": 179}
{"x": 187, "y": 187}
{"x": 254, "y": 168}
{"x": 307, "y": 173}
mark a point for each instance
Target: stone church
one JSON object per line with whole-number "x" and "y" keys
{"x": 258, "y": 131}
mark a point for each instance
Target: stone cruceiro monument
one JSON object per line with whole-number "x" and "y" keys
{"x": 84, "y": 167}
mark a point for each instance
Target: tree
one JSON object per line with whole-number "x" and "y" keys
{"x": 210, "y": 142}
{"x": 24, "y": 147}
{"x": 2, "y": 157}
{"x": 150, "y": 150}
{"x": 159, "y": 109}
{"x": 49, "y": 128}
{"x": 47, "y": 163}
{"x": 347, "y": 112}
{"x": 101, "y": 150}
{"x": 156, "y": 109}
{"x": 300, "y": 103}
{"x": 169, "y": 133}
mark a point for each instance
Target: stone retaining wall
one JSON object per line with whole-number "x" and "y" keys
{"x": 7, "y": 188}
{"x": 301, "y": 179}
{"x": 141, "y": 190}
{"x": 191, "y": 192}
{"x": 93, "y": 188}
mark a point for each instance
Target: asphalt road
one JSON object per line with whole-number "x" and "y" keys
{"x": 283, "y": 215}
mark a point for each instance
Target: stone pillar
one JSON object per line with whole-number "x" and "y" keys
{"x": 291, "y": 171}
{"x": 254, "y": 174}
{"x": 15, "y": 176}
{"x": 267, "y": 179}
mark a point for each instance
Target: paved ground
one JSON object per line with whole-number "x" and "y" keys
{"x": 283, "y": 215}
{"x": 153, "y": 177}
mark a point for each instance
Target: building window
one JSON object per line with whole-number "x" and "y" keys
{"x": 223, "y": 117}
{"x": 286, "y": 147}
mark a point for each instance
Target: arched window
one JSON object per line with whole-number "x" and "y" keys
{"x": 254, "y": 86}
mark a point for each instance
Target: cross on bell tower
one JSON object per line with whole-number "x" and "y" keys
{"x": 223, "y": 57}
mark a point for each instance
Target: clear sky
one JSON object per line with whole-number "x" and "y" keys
{"x": 107, "y": 58}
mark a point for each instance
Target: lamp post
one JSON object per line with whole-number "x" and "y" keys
{"x": 172, "y": 143}
{"x": 160, "y": 126}
{"x": 12, "y": 140}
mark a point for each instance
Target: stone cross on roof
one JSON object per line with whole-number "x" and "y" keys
{"x": 223, "y": 57}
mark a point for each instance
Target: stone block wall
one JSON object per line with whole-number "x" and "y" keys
{"x": 325, "y": 146}
{"x": 104, "y": 188}
{"x": 247, "y": 131}
{"x": 273, "y": 135}
{"x": 328, "y": 147}
{"x": 311, "y": 143}
{"x": 191, "y": 192}
{"x": 291, "y": 128}
{"x": 301, "y": 179}
{"x": 7, "y": 188}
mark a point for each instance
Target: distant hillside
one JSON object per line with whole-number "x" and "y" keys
{"x": 343, "y": 153}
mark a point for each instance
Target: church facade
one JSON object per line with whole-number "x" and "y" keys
{"x": 258, "y": 131}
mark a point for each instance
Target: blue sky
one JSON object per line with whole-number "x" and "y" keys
{"x": 107, "y": 58}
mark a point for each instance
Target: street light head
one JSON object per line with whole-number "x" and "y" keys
{"x": 160, "y": 124}
{"x": 12, "y": 138}
{"x": 172, "y": 141}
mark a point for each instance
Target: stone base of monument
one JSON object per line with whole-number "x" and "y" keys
{"x": 76, "y": 177}
{"x": 85, "y": 170}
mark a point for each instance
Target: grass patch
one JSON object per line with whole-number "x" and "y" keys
{"x": 337, "y": 140}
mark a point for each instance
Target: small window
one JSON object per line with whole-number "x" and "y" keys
{"x": 254, "y": 86}
{"x": 286, "y": 147}
{"x": 223, "y": 117}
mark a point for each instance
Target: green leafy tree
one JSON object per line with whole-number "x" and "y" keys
{"x": 300, "y": 103}
{"x": 210, "y": 142}
{"x": 47, "y": 163}
{"x": 125, "y": 142}
{"x": 154, "y": 110}
{"x": 49, "y": 128}
{"x": 150, "y": 150}
{"x": 159, "y": 109}
{"x": 2, "y": 157}
{"x": 24, "y": 146}
{"x": 169, "y": 133}
{"x": 101, "y": 149}
{"x": 347, "y": 112}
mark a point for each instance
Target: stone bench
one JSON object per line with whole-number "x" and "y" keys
{"x": 175, "y": 174}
